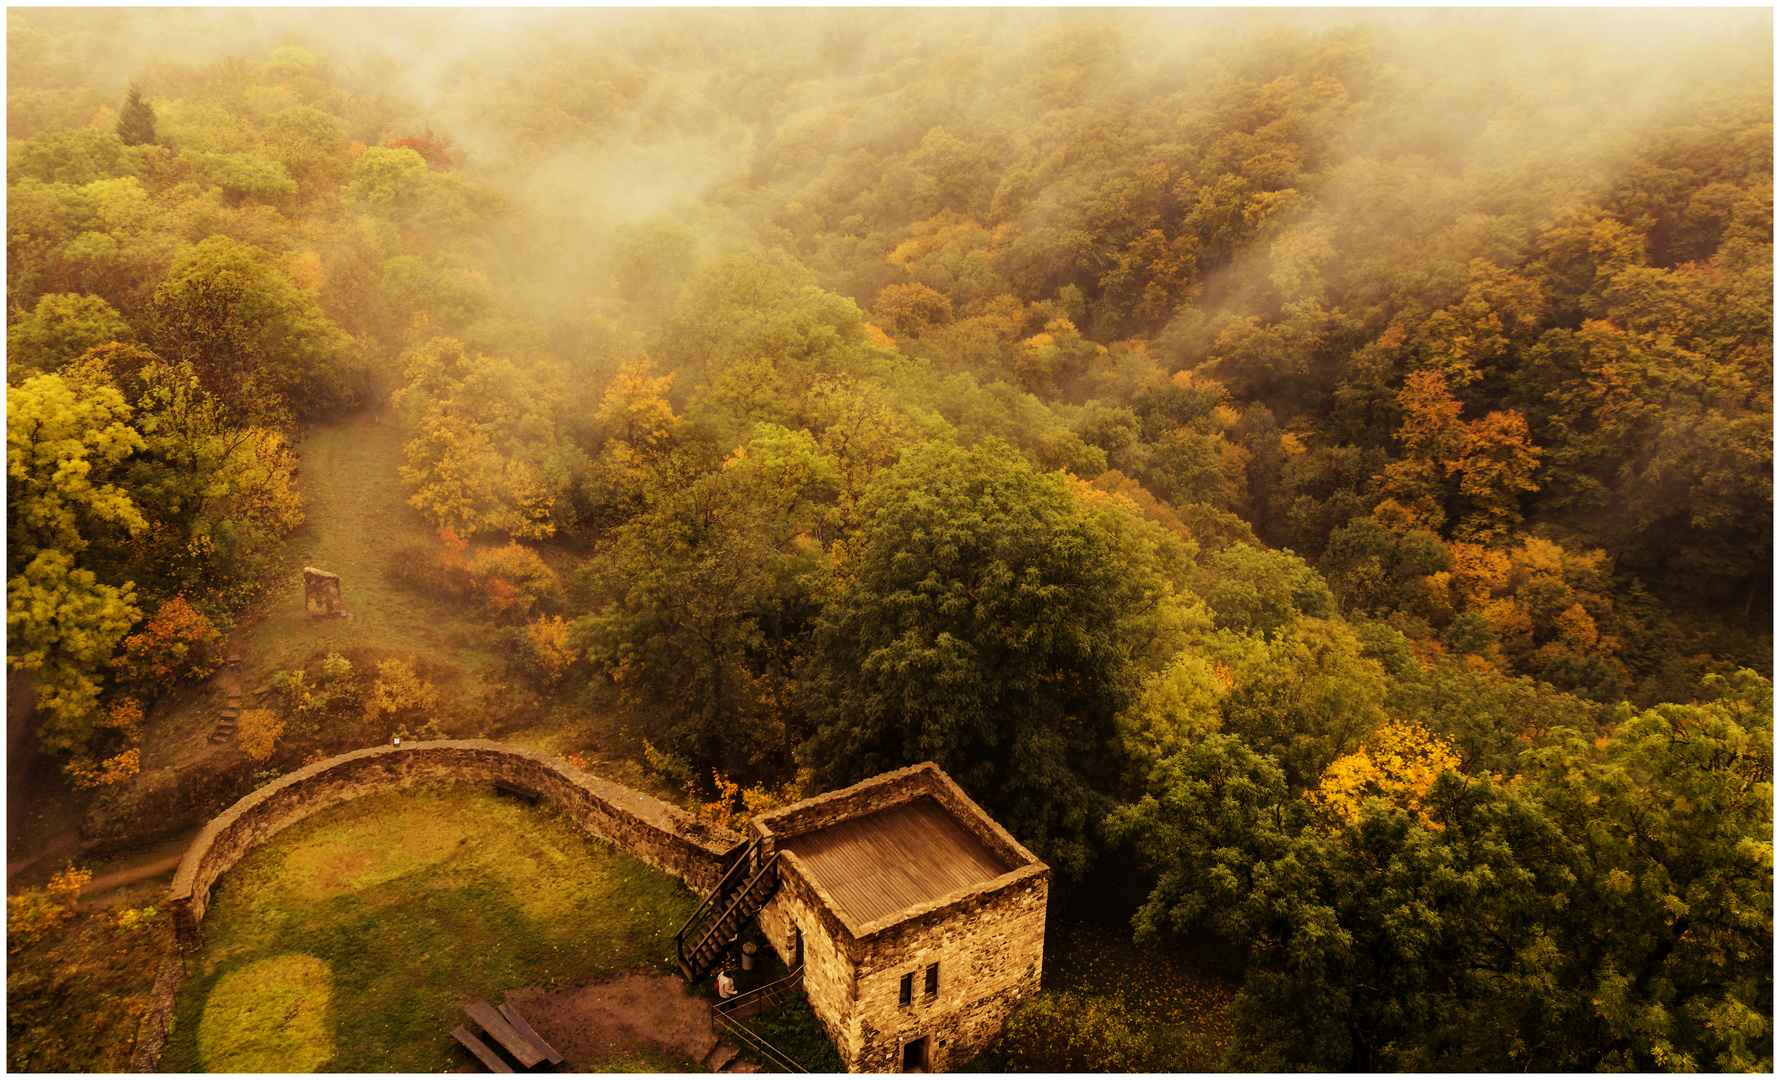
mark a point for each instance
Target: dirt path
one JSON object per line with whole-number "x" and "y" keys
{"x": 595, "y": 1026}
{"x": 132, "y": 875}
{"x": 357, "y": 523}
{"x": 66, "y": 841}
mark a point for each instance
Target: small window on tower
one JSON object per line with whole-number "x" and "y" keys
{"x": 907, "y": 993}
{"x": 933, "y": 978}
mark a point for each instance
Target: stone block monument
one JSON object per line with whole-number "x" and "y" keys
{"x": 321, "y": 594}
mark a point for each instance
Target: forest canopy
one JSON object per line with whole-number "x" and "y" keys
{"x": 1324, "y": 461}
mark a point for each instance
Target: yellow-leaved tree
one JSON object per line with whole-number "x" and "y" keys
{"x": 635, "y": 408}
{"x": 32, "y": 913}
{"x": 62, "y": 622}
{"x": 1397, "y": 763}
{"x": 638, "y": 423}
{"x": 484, "y": 453}
{"x": 258, "y": 733}
{"x": 398, "y": 693}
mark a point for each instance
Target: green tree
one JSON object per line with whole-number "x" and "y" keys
{"x": 705, "y": 592}
{"x": 1490, "y": 717}
{"x": 978, "y": 629}
{"x": 1251, "y": 590}
{"x": 1611, "y": 910}
{"x": 60, "y": 328}
{"x": 1665, "y": 959}
{"x": 246, "y": 329}
{"x": 217, "y": 481}
{"x": 1307, "y": 694}
{"x": 651, "y": 260}
{"x": 386, "y": 177}
{"x": 136, "y": 120}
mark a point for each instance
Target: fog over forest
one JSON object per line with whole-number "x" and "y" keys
{"x": 1306, "y": 473}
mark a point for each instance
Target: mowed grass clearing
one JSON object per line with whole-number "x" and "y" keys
{"x": 351, "y": 941}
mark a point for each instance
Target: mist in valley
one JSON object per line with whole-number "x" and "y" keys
{"x": 1244, "y": 448}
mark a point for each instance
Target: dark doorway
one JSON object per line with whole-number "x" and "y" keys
{"x": 797, "y": 947}
{"x": 914, "y": 1056}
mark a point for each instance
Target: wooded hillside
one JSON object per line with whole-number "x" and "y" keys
{"x": 1327, "y": 464}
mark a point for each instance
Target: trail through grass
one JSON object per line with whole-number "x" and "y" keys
{"x": 357, "y": 524}
{"x": 351, "y": 941}
{"x": 357, "y": 520}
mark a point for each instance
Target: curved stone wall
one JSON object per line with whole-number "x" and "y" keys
{"x": 661, "y": 835}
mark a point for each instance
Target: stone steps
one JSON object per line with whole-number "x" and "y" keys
{"x": 228, "y": 717}
{"x": 720, "y": 1056}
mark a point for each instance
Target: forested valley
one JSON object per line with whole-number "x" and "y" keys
{"x": 1308, "y": 476}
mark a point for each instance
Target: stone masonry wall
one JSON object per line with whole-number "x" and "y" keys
{"x": 988, "y": 941}
{"x": 850, "y": 802}
{"x": 659, "y": 834}
{"x": 828, "y": 969}
{"x": 990, "y": 949}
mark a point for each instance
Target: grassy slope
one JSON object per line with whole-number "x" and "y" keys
{"x": 351, "y": 941}
{"x": 357, "y": 520}
{"x": 357, "y": 523}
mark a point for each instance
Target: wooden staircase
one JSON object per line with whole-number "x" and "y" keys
{"x": 744, "y": 890}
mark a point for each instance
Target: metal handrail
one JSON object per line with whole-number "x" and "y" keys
{"x": 788, "y": 985}
{"x": 755, "y": 1043}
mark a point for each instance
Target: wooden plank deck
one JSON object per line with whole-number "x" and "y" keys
{"x": 496, "y": 1025}
{"x": 481, "y": 1049}
{"x": 892, "y": 859}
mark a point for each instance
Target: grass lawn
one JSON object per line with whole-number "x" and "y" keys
{"x": 793, "y": 1030}
{"x": 1164, "y": 986}
{"x": 351, "y": 941}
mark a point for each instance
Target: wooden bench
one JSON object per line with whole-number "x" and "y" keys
{"x": 481, "y": 1050}
{"x": 504, "y": 787}
{"x": 513, "y": 1034}
{"x": 519, "y": 1025}
{"x": 511, "y": 1040}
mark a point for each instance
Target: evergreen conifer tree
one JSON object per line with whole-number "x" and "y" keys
{"x": 136, "y": 124}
